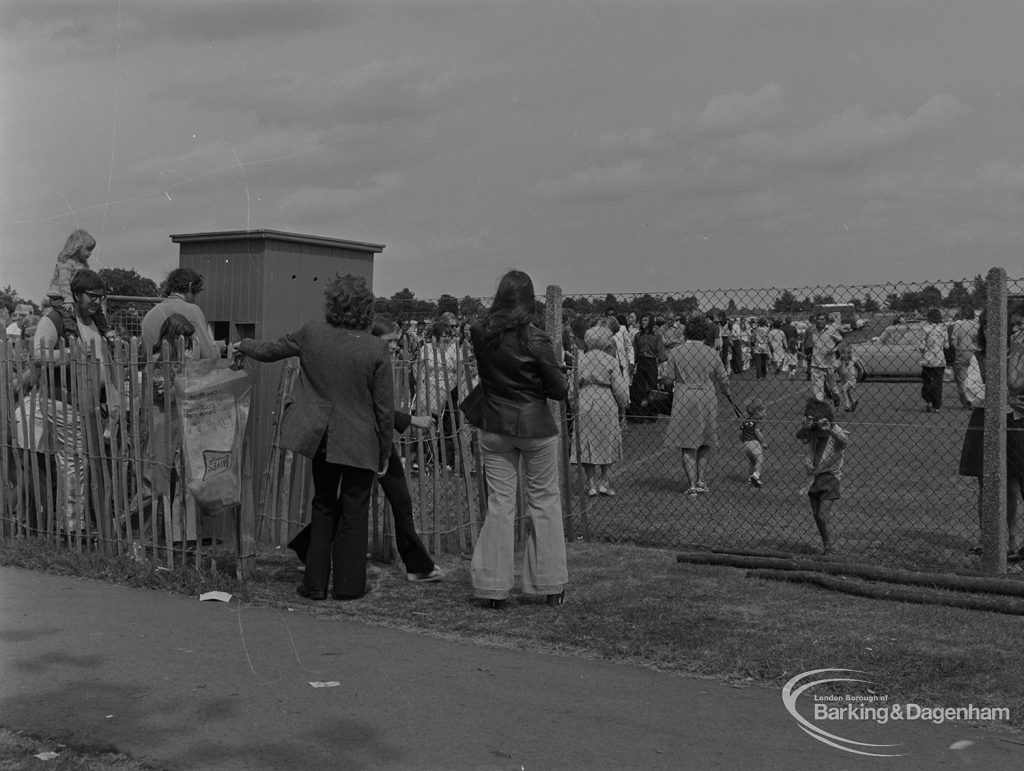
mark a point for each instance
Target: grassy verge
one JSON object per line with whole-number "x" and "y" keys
{"x": 638, "y": 605}
{"x": 19, "y": 750}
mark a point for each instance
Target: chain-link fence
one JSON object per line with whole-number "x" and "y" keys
{"x": 688, "y": 424}
{"x": 125, "y": 313}
{"x": 799, "y": 421}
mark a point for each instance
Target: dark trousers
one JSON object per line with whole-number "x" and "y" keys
{"x": 410, "y": 547}
{"x": 737, "y": 356}
{"x": 339, "y": 527}
{"x": 644, "y": 379}
{"x": 724, "y": 351}
{"x": 761, "y": 365}
{"x": 931, "y": 385}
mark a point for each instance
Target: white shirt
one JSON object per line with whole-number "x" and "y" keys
{"x": 46, "y": 338}
{"x": 624, "y": 340}
{"x": 974, "y": 386}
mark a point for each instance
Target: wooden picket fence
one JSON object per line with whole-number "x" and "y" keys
{"x": 57, "y": 423}
{"x": 133, "y": 495}
{"x": 127, "y": 509}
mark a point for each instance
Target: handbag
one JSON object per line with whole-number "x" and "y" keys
{"x": 473, "y": 405}
{"x": 949, "y": 352}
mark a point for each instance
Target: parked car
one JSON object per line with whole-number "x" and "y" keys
{"x": 844, "y": 314}
{"x": 896, "y": 353}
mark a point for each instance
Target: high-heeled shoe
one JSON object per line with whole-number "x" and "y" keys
{"x": 557, "y": 599}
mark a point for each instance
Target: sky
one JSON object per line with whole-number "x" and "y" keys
{"x": 622, "y": 146}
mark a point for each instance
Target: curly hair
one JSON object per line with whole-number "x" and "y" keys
{"x": 817, "y": 410}
{"x": 599, "y": 338}
{"x": 183, "y": 281}
{"x": 697, "y": 328}
{"x": 349, "y": 302}
{"x": 79, "y": 244}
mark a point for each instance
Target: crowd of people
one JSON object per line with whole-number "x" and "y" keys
{"x": 497, "y": 373}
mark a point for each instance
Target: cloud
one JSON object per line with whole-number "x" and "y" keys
{"x": 375, "y": 92}
{"x": 599, "y": 183}
{"x": 315, "y": 206}
{"x": 101, "y": 26}
{"x": 1001, "y": 178}
{"x": 270, "y": 162}
{"x": 631, "y": 143}
{"x": 851, "y": 136}
{"x": 738, "y": 113}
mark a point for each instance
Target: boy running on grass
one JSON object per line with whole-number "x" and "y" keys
{"x": 826, "y": 442}
{"x": 753, "y": 440}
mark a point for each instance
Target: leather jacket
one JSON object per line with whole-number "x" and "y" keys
{"x": 516, "y": 379}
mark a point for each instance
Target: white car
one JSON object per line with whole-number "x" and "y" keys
{"x": 895, "y": 354}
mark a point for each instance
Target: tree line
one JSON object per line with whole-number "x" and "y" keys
{"x": 405, "y": 305}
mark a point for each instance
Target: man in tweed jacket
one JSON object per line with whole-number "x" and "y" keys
{"x": 341, "y": 415}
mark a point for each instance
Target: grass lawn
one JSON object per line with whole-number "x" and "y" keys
{"x": 903, "y": 502}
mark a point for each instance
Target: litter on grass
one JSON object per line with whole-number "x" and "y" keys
{"x": 218, "y": 596}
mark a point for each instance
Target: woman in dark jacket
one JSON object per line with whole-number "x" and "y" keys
{"x": 518, "y": 374}
{"x": 341, "y": 415}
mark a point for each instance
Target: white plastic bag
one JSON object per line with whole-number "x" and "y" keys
{"x": 213, "y": 409}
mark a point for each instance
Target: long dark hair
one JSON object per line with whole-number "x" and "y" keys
{"x": 514, "y": 307}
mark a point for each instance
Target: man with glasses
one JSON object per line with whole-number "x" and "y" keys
{"x": 71, "y": 414}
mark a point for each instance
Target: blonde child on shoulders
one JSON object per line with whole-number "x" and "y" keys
{"x": 73, "y": 257}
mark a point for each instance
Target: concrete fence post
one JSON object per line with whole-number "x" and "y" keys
{"x": 553, "y": 326}
{"x": 993, "y": 489}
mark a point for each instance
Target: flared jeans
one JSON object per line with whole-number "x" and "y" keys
{"x": 492, "y": 570}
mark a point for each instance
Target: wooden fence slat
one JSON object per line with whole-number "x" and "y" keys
{"x": 456, "y": 464}
{"x": 422, "y": 466}
{"x": 130, "y": 412}
{"x": 99, "y": 474}
{"x": 437, "y": 447}
{"x": 118, "y": 461}
{"x": 149, "y": 531}
{"x": 166, "y": 494}
{"x": 46, "y": 411}
{"x": 269, "y": 479}
{"x": 71, "y": 440}
{"x": 9, "y": 487}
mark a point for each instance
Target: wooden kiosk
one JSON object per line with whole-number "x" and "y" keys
{"x": 264, "y": 284}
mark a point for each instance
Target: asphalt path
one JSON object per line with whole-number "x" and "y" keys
{"x": 210, "y": 685}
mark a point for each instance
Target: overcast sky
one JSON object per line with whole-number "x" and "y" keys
{"x": 622, "y": 146}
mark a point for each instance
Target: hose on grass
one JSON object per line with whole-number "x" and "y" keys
{"x": 961, "y": 583}
{"x": 877, "y": 591}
